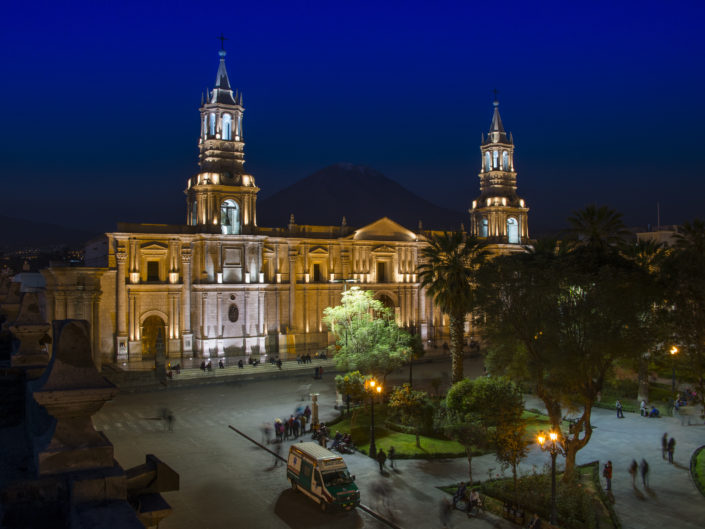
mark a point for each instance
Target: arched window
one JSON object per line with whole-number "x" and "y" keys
{"x": 194, "y": 213}
{"x": 495, "y": 159}
{"x": 512, "y": 231}
{"x": 484, "y": 227}
{"x": 227, "y": 127}
{"x": 505, "y": 161}
{"x": 230, "y": 218}
{"x": 487, "y": 161}
{"x": 211, "y": 127}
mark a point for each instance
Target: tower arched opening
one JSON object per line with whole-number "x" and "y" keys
{"x": 230, "y": 217}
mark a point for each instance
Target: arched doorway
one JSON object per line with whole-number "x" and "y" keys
{"x": 153, "y": 336}
{"x": 386, "y": 301}
{"x": 512, "y": 230}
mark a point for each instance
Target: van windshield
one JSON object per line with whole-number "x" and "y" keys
{"x": 336, "y": 477}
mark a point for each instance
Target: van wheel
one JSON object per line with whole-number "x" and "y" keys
{"x": 294, "y": 486}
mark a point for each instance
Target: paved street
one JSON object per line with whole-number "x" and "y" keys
{"x": 226, "y": 480}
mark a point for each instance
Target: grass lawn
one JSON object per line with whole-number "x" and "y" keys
{"x": 535, "y": 423}
{"x": 697, "y": 469}
{"x": 404, "y": 444}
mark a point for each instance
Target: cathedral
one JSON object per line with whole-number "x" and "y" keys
{"x": 223, "y": 286}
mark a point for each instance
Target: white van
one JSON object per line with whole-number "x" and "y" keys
{"x": 322, "y": 476}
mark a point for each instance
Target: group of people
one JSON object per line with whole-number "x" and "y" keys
{"x": 668, "y": 446}
{"x": 636, "y": 468}
{"x": 469, "y": 499}
{"x": 307, "y": 358}
{"x": 293, "y": 427}
{"x": 646, "y": 412}
{"x": 382, "y": 458}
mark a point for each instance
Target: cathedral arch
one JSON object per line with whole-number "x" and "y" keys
{"x": 484, "y": 227}
{"x": 230, "y": 217}
{"x": 227, "y": 127}
{"x": 153, "y": 327}
{"x": 512, "y": 230}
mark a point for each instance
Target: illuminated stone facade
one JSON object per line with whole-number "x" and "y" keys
{"x": 223, "y": 286}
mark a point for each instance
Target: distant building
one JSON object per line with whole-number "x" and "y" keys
{"x": 222, "y": 285}
{"x": 663, "y": 235}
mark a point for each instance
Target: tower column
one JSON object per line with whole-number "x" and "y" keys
{"x": 121, "y": 339}
{"x": 186, "y": 334}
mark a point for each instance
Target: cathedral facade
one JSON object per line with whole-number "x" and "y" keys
{"x": 221, "y": 285}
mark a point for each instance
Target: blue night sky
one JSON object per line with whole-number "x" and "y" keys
{"x": 606, "y": 101}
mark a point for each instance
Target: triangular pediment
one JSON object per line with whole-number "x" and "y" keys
{"x": 384, "y": 229}
{"x": 318, "y": 250}
{"x": 383, "y": 248}
{"x": 154, "y": 245}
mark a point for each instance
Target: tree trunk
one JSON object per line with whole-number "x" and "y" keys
{"x": 418, "y": 440}
{"x": 468, "y": 454}
{"x": 575, "y": 443}
{"x": 457, "y": 324}
{"x": 643, "y": 392}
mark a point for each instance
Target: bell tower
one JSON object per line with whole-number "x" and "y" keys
{"x": 222, "y": 194}
{"x": 498, "y": 214}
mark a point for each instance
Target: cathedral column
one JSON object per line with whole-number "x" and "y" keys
{"x": 186, "y": 335}
{"x": 292, "y": 290}
{"x": 219, "y": 323}
{"x": 121, "y": 339}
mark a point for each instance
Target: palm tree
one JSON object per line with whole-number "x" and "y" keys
{"x": 448, "y": 268}
{"x": 597, "y": 227}
{"x": 691, "y": 237}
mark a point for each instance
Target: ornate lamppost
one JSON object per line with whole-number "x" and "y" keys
{"x": 373, "y": 387}
{"x": 553, "y": 446}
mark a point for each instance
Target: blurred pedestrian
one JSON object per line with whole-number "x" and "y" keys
{"x": 671, "y": 449}
{"x": 392, "y": 453}
{"x": 664, "y": 445}
{"x": 277, "y": 455}
{"x": 445, "y": 509}
{"x": 620, "y": 412}
{"x": 381, "y": 458}
{"x": 633, "y": 469}
{"x": 607, "y": 474}
{"x": 644, "y": 467}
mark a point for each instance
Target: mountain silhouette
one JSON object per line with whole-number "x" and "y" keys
{"x": 360, "y": 194}
{"x": 23, "y": 233}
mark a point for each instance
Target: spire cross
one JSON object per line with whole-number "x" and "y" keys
{"x": 495, "y": 92}
{"x": 222, "y": 40}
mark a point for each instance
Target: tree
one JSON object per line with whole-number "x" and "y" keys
{"x": 511, "y": 446}
{"x": 411, "y": 406}
{"x": 367, "y": 337}
{"x": 476, "y": 409}
{"x": 352, "y": 385}
{"x": 561, "y": 318}
{"x": 448, "y": 268}
{"x": 685, "y": 294}
{"x": 597, "y": 227}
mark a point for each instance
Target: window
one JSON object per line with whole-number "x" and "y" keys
{"x": 487, "y": 161}
{"x": 495, "y": 159}
{"x": 152, "y": 270}
{"x": 484, "y": 227}
{"x": 512, "y": 231}
{"x": 230, "y": 218}
{"x": 233, "y": 313}
{"x": 227, "y": 127}
{"x": 316, "y": 273}
{"x": 211, "y": 128}
{"x": 194, "y": 213}
{"x": 505, "y": 161}
{"x": 381, "y": 273}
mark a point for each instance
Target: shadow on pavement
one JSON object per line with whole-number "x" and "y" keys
{"x": 300, "y": 512}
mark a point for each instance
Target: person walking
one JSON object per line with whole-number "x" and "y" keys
{"x": 644, "y": 467}
{"x": 392, "y": 452}
{"x": 381, "y": 458}
{"x": 671, "y": 449}
{"x": 607, "y": 474}
{"x": 445, "y": 509}
{"x": 633, "y": 469}
{"x": 664, "y": 445}
{"x": 620, "y": 413}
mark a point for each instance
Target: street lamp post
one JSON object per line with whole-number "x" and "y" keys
{"x": 554, "y": 448}
{"x": 674, "y": 352}
{"x": 373, "y": 387}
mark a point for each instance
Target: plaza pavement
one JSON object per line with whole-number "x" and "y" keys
{"x": 226, "y": 481}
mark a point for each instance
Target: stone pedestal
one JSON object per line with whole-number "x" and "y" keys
{"x": 70, "y": 391}
{"x": 31, "y": 329}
